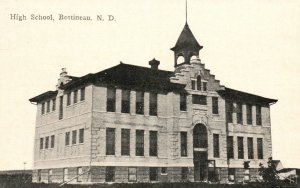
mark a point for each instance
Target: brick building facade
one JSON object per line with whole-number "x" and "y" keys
{"x": 138, "y": 124}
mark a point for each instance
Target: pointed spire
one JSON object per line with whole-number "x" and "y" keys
{"x": 186, "y": 12}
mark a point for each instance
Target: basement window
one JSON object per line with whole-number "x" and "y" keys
{"x": 153, "y": 174}
{"x": 110, "y": 174}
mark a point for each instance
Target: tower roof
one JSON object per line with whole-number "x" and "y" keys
{"x": 186, "y": 40}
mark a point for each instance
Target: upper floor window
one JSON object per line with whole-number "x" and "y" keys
{"x": 68, "y": 99}
{"x": 250, "y": 148}
{"x": 216, "y": 145}
{"x": 199, "y": 83}
{"x": 229, "y": 111}
{"x": 239, "y": 113}
{"x": 125, "y": 101}
{"x": 67, "y": 138}
{"x": 82, "y": 94}
{"x": 111, "y": 100}
{"x": 41, "y": 143}
{"x": 139, "y": 143}
{"x": 204, "y": 86}
{"x": 74, "y": 136}
{"x": 153, "y": 104}
{"x": 47, "y": 142}
{"x": 61, "y": 101}
{"x": 110, "y": 141}
{"x": 75, "y": 96}
{"x": 183, "y": 102}
{"x": 153, "y": 143}
{"x": 215, "y": 105}
{"x": 139, "y": 102}
{"x": 48, "y": 106}
{"x": 52, "y": 141}
{"x": 230, "y": 149}
{"x": 43, "y": 108}
{"x": 240, "y": 147}
{"x": 53, "y": 104}
{"x": 183, "y": 144}
{"x": 258, "y": 115}
{"x": 81, "y": 135}
{"x": 125, "y": 141}
{"x": 193, "y": 82}
{"x": 249, "y": 114}
{"x": 199, "y": 99}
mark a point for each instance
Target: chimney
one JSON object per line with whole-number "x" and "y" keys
{"x": 154, "y": 64}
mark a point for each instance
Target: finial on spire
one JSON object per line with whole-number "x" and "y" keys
{"x": 185, "y": 11}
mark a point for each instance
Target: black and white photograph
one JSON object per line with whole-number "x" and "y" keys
{"x": 151, "y": 94}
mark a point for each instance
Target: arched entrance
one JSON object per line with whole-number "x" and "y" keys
{"x": 200, "y": 152}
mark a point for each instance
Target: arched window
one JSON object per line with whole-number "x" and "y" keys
{"x": 199, "y": 83}
{"x": 180, "y": 59}
{"x": 200, "y": 136}
{"x": 194, "y": 57}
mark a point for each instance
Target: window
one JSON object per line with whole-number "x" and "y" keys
{"x": 153, "y": 143}
{"x": 48, "y": 106}
{"x": 47, "y": 142}
{"x": 216, "y": 145}
{"x": 153, "y": 173}
{"x": 67, "y": 138}
{"x": 41, "y": 143}
{"x": 231, "y": 174}
{"x": 68, "y": 99}
{"x": 153, "y": 104}
{"x": 204, "y": 86}
{"x": 50, "y": 176}
{"x": 199, "y": 83}
{"x": 81, "y": 135}
{"x": 53, "y": 104}
{"x": 260, "y": 152}
{"x": 250, "y": 148}
{"x": 52, "y": 141}
{"x": 240, "y": 148}
{"x": 65, "y": 175}
{"x": 39, "y": 174}
{"x": 82, "y": 94}
{"x": 183, "y": 144}
{"x": 125, "y": 142}
{"x": 61, "y": 101}
{"x": 125, "y": 101}
{"x": 184, "y": 173}
{"x": 75, "y": 96}
{"x": 74, "y": 137}
{"x": 239, "y": 115}
{"x": 182, "y": 102}
{"x": 139, "y": 102}
{"x": 230, "y": 150}
{"x": 79, "y": 172}
{"x": 43, "y": 108}
{"x": 111, "y": 100}
{"x": 215, "y": 105}
{"x": 193, "y": 84}
{"x": 249, "y": 114}
{"x": 139, "y": 143}
{"x": 164, "y": 170}
{"x": 229, "y": 111}
{"x": 132, "y": 174}
{"x": 110, "y": 174}
{"x": 110, "y": 141}
{"x": 199, "y": 99}
{"x": 258, "y": 115}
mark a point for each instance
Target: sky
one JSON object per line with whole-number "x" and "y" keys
{"x": 250, "y": 45}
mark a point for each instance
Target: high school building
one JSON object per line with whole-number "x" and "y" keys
{"x": 142, "y": 124}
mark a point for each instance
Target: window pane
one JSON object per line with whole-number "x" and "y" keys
{"x": 153, "y": 104}
{"x": 111, "y": 100}
{"x": 110, "y": 174}
{"x": 139, "y": 143}
{"x": 199, "y": 99}
{"x": 249, "y": 114}
{"x": 41, "y": 143}
{"x": 52, "y": 141}
{"x": 250, "y": 148}
{"x": 132, "y": 174}
{"x": 61, "y": 101}
{"x": 82, "y": 94}
{"x": 230, "y": 150}
{"x": 216, "y": 145}
{"x": 258, "y": 115}
{"x": 139, "y": 102}
{"x": 215, "y": 105}
{"x": 183, "y": 143}
{"x": 125, "y": 142}
{"x": 240, "y": 147}
{"x": 81, "y": 135}
{"x": 75, "y": 96}
{"x": 239, "y": 114}
{"x": 47, "y": 142}
{"x": 193, "y": 85}
{"x": 125, "y": 101}
{"x": 260, "y": 153}
{"x": 153, "y": 174}
{"x": 67, "y": 138}
{"x": 79, "y": 171}
{"x": 43, "y": 108}
{"x": 48, "y": 106}
{"x": 204, "y": 86}
{"x": 229, "y": 111}
{"x": 153, "y": 143}
{"x": 53, "y": 104}
{"x": 74, "y": 137}
{"x": 199, "y": 83}
{"x": 68, "y": 99}
{"x": 110, "y": 141}
{"x": 182, "y": 102}
{"x": 184, "y": 173}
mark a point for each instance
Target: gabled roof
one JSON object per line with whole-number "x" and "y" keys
{"x": 130, "y": 76}
{"x": 236, "y": 95}
{"x": 186, "y": 39}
